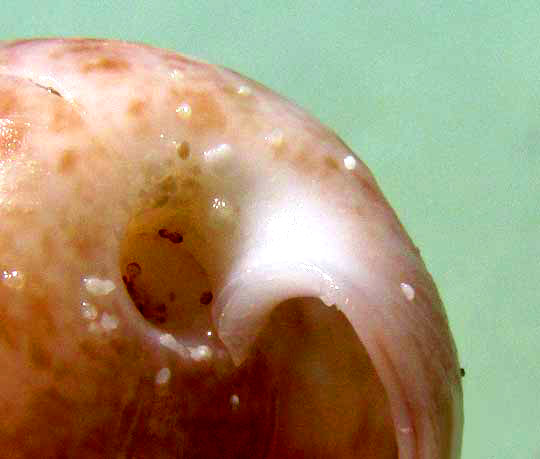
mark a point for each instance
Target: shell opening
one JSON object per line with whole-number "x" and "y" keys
{"x": 331, "y": 400}
{"x": 175, "y": 252}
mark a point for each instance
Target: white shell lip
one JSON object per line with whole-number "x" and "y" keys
{"x": 245, "y": 303}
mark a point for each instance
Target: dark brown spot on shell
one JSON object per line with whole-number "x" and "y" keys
{"x": 206, "y": 298}
{"x": 462, "y": 372}
{"x": 172, "y": 236}
{"x": 67, "y": 162}
{"x": 183, "y": 150}
{"x": 331, "y": 163}
{"x": 172, "y": 296}
{"x": 105, "y": 64}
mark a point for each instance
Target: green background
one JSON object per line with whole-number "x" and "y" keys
{"x": 442, "y": 100}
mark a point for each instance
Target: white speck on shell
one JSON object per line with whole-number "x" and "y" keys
{"x": 184, "y": 111}
{"x": 109, "y": 321}
{"x": 407, "y": 290}
{"x": 275, "y": 138}
{"x": 219, "y": 153}
{"x": 176, "y": 75}
{"x": 169, "y": 341}
{"x": 244, "y": 90}
{"x": 13, "y": 279}
{"x": 98, "y": 287}
{"x": 200, "y": 353}
{"x": 163, "y": 376}
{"x": 222, "y": 209}
{"x": 349, "y": 162}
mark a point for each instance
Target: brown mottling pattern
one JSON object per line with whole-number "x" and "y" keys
{"x": 192, "y": 185}
{"x": 137, "y": 110}
{"x": 83, "y": 237}
{"x": 195, "y": 170}
{"x": 183, "y": 150}
{"x": 280, "y": 152}
{"x": 48, "y": 243}
{"x": 331, "y": 163}
{"x": 8, "y": 102}
{"x": 19, "y": 42}
{"x": 39, "y": 356}
{"x": 67, "y": 162}
{"x": 11, "y": 132}
{"x": 169, "y": 184}
{"x": 307, "y": 162}
{"x": 136, "y": 107}
{"x": 74, "y": 46}
{"x": 42, "y": 319}
{"x": 10, "y": 330}
{"x": 64, "y": 118}
{"x": 120, "y": 347}
{"x": 177, "y": 60}
{"x": 60, "y": 370}
{"x": 47, "y": 407}
{"x": 370, "y": 188}
{"x": 304, "y": 162}
{"x": 207, "y": 115}
{"x": 11, "y": 137}
{"x": 96, "y": 442}
{"x": 105, "y": 64}
{"x": 92, "y": 351}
